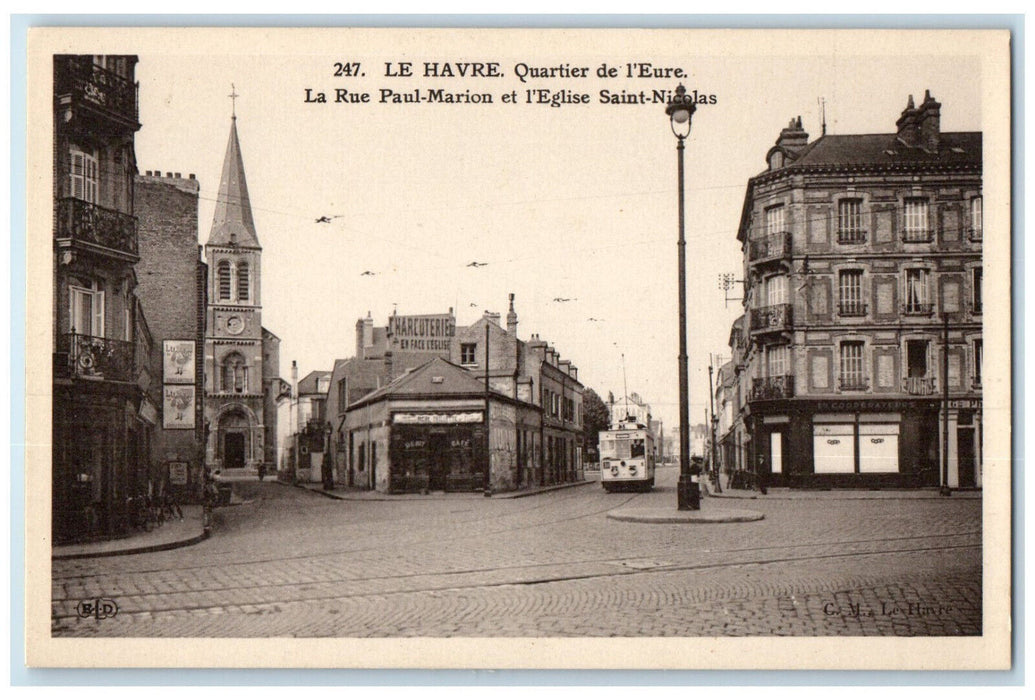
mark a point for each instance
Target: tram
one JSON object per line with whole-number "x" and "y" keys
{"x": 627, "y": 457}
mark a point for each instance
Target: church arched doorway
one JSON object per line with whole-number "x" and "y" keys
{"x": 234, "y": 439}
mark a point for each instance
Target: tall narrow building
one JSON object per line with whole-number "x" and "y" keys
{"x": 236, "y": 433}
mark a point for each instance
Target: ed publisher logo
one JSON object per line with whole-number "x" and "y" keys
{"x": 97, "y": 608}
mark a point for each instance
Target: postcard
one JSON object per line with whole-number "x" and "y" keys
{"x": 518, "y": 348}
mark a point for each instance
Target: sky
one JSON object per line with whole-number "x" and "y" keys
{"x": 575, "y": 202}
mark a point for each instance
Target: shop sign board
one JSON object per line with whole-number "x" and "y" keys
{"x": 437, "y": 418}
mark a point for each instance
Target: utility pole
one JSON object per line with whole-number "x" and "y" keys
{"x": 713, "y": 427}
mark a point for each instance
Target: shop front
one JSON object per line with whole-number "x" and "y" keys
{"x": 847, "y": 443}
{"x": 437, "y": 451}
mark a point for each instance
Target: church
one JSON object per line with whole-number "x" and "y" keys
{"x": 241, "y": 357}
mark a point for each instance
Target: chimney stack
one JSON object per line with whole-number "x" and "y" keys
{"x": 512, "y": 318}
{"x": 908, "y": 127}
{"x": 793, "y": 137}
{"x": 294, "y": 379}
{"x": 929, "y": 123}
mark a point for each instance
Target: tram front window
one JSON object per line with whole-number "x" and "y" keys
{"x": 637, "y": 449}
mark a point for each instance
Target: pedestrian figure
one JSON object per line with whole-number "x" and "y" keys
{"x": 760, "y": 475}
{"x": 262, "y": 471}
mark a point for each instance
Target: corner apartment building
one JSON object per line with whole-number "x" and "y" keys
{"x": 104, "y": 402}
{"x": 862, "y": 334}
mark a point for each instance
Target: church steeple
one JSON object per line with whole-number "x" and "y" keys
{"x": 232, "y": 223}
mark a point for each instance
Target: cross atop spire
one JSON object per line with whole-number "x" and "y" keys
{"x": 233, "y": 101}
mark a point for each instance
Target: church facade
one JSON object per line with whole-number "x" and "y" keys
{"x": 238, "y": 350}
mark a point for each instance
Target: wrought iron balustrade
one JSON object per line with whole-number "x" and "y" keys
{"x": 770, "y": 318}
{"x": 851, "y": 308}
{"x": 918, "y": 309}
{"x": 90, "y": 357}
{"x": 771, "y": 247}
{"x": 920, "y": 386}
{"x": 85, "y": 81}
{"x": 925, "y": 235}
{"x": 853, "y": 383}
{"x": 86, "y": 222}
{"x": 851, "y": 236}
{"x": 779, "y": 387}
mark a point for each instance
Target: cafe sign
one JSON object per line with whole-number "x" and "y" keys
{"x": 432, "y": 333}
{"x": 437, "y": 418}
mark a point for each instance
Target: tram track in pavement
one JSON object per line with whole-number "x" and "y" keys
{"x": 376, "y": 548}
{"x": 454, "y": 579}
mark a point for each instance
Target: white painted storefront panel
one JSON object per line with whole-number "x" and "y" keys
{"x": 878, "y": 448}
{"x": 833, "y": 449}
{"x": 776, "y": 450}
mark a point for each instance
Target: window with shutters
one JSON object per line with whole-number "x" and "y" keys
{"x": 852, "y": 367}
{"x": 776, "y": 290}
{"x": 850, "y": 222}
{"x": 82, "y": 177}
{"x": 916, "y": 293}
{"x": 777, "y": 360}
{"x": 979, "y": 356}
{"x": 850, "y": 301}
{"x": 916, "y": 227}
{"x": 87, "y": 311}
{"x": 975, "y": 219}
{"x": 976, "y": 288}
{"x": 775, "y": 220}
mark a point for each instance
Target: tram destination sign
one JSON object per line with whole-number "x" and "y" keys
{"x": 431, "y": 333}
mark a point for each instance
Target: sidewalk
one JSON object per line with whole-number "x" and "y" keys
{"x": 169, "y": 535}
{"x": 345, "y": 493}
{"x": 783, "y": 493}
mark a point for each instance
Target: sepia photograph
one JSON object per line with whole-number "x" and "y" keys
{"x": 518, "y": 348}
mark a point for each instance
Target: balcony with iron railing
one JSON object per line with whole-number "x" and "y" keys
{"x": 767, "y": 388}
{"x": 90, "y": 357}
{"x": 776, "y": 317}
{"x": 104, "y": 230}
{"x": 98, "y": 89}
{"x": 774, "y": 246}
{"x": 920, "y": 386}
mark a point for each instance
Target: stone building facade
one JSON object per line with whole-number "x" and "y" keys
{"x": 863, "y": 307}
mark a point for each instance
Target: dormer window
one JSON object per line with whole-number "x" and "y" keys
{"x": 776, "y": 160}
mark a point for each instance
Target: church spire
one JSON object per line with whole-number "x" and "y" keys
{"x": 232, "y": 222}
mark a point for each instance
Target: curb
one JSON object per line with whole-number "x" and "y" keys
{"x": 667, "y": 515}
{"x": 136, "y": 550}
{"x": 420, "y": 497}
{"x": 843, "y": 495}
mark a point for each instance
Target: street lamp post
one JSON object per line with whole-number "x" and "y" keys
{"x": 679, "y": 111}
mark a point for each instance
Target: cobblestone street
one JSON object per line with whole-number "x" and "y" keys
{"x": 293, "y": 563}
